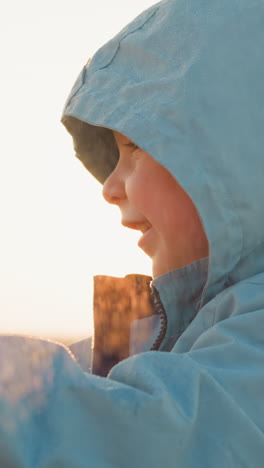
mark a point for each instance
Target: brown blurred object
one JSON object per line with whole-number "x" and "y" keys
{"x": 117, "y": 302}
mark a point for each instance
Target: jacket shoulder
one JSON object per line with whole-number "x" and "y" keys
{"x": 241, "y": 298}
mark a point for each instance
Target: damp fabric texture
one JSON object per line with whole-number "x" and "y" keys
{"x": 184, "y": 81}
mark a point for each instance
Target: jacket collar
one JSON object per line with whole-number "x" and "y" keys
{"x": 127, "y": 320}
{"x": 180, "y": 293}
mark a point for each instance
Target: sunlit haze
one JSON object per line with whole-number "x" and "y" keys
{"x": 56, "y": 229}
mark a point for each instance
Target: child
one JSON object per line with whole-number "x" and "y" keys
{"x": 169, "y": 116}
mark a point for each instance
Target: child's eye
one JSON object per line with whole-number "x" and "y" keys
{"x": 132, "y": 145}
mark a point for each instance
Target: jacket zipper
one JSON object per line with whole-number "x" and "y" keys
{"x": 158, "y": 306}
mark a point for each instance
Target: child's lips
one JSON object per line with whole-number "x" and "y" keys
{"x": 138, "y": 226}
{"x": 145, "y": 242}
{"x": 145, "y": 227}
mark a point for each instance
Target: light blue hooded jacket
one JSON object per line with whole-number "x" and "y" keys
{"x": 184, "y": 81}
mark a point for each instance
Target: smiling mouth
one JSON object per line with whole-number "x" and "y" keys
{"x": 138, "y": 226}
{"x": 146, "y": 241}
{"x": 145, "y": 227}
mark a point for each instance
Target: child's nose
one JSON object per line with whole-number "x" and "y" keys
{"x": 113, "y": 188}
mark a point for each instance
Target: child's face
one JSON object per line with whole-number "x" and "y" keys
{"x": 151, "y": 201}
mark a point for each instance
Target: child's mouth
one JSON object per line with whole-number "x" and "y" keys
{"x": 147, "y": 230}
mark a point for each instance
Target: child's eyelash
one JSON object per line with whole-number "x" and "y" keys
{"x": 131, "y": 145}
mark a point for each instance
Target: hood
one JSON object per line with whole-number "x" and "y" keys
{"x": 184, "y": 81}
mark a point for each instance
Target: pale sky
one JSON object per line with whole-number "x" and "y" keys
{"x": 56, "y": 229}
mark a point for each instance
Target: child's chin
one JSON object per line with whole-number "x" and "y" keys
{"x": 148, "y": 241}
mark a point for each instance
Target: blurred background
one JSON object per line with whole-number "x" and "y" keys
{"x": 56, "y": 231}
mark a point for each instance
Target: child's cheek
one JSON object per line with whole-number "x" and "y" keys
{"x": 139, "y": 190}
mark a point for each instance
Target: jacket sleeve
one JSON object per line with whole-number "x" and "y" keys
{"x": 83, "y": 353}
{"x": 197, "y": 409}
